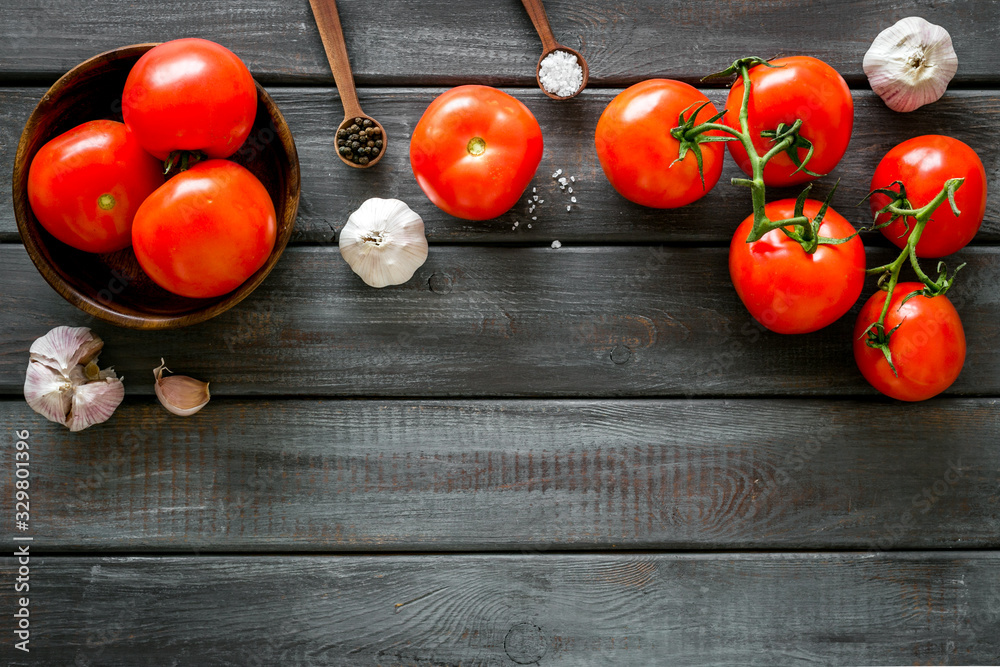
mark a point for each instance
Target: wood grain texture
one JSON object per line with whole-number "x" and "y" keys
{"x": 330, "y": 192}
{"x": 516, "y": 475}
{"x": 501, "y": 611}
{"x": 443, "y": 43}
{"x": 495, "y": 321}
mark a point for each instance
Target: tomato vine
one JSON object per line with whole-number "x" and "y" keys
{"x": 787, "y": 139}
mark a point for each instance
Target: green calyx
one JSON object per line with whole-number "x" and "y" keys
{"x": 106, "y": 202}
{"x": 877, "y": 337}
{"x": 789, "y": 137}
{"x": 899, "y": 207}
{"x": 739, "y": 65}
{"x": 182, "y": 160}
{"x": 691, "y": 136}
{"x": 784, "y": 139}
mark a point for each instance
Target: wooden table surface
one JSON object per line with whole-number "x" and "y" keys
{"x": 582, "y": 456}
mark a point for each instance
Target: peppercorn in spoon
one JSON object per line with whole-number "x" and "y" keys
{"x": 361, "y": 140}
{"x": 562, "y": 72}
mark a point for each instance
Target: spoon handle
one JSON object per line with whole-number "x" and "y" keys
{"x": 328, "y": 21}
{"x": 536, "y": 10}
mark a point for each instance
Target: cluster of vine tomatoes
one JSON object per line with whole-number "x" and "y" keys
{"x": 100, "y": 187}
{"x": 786, "y": 286}
{"x": 476, "y": 149}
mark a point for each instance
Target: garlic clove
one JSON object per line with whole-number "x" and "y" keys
{"x": 94, "y": 403}
{"x": 48, "y": 392}
{"x": 180, "y": 394}
{"x": 384, "y": 242}
{"x": 63, "y": 348}
{"x": 911, "y": 63}
{"x": 63, "y": 382}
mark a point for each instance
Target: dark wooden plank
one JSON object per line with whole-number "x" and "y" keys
{"x": 630, "y": 610}
{"x": 494, "y": 321}
{"x": 531, "y": 475}
{"x": 331, "y": 192}
{"x": 445, "y": 43}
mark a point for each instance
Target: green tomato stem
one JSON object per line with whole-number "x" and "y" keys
{"x": 920, "y": 217}
{"x": 802, "y": 230}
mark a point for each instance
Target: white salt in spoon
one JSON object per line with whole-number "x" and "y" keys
{"x": 549, "y": 45}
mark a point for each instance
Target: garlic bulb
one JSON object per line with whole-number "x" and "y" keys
{"x": 384, "y": 242}
{"x": 910, "y": 63}
{"x": 180, "y": 394}
{"x": 63, "y": 382}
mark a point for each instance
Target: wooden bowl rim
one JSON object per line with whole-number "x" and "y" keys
{"x": 30, "y": 237}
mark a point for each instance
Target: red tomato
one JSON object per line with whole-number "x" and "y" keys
{"x": 206, "y": 230}
{"x": 789, "y": 290}
{"x": 474, "y": 151}
{"x": 923, "y": 164}
{"x": 192, "y": 95}
{"x": 637, "y": 151}
{"x": 928, "y": 348}
{"x": 85, "y": 185}
{"x": 805, "y": 89}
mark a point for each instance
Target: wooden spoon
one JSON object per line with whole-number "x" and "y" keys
{"x": 536, "y": 10}
{"x": 328, "y": 21}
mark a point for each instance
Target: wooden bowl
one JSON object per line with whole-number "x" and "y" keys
{"x": 111, "y": 286}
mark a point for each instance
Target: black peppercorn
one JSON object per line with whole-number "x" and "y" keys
{"x": 367, "y": 122}
{"x": 378, "y": 143}
{"x": 355, "y": 144}
{"x": 374, "y": 151}
{"x": 363, "y": 160}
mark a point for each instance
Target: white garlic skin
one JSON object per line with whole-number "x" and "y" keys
{"x": 56, "y": 384}
{"x": 911, "y": 63}
{"x": 384, "y": 242}
{"x": 179, "y": 394}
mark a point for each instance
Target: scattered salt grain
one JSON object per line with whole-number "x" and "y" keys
{"x": 534, "y": 217}
{"x": 535, "y": 197}
{"x": 556, "y": 245}
{"x": 573, "y": 199}
{"x": 570, "y": 190}
{"x": 541, "y": 201}
{"x": 529, "y": 225}
{"x": 562, "y": 180}
{"x": 556, "y": 173}
{"x": 567, "y": 208}
{"x": 560, "y": 74}
{"x": 573, "y": 178}
{"x": 534, "y": 189}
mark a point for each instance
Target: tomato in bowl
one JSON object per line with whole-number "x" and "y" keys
{"x": 111, "y": 286}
